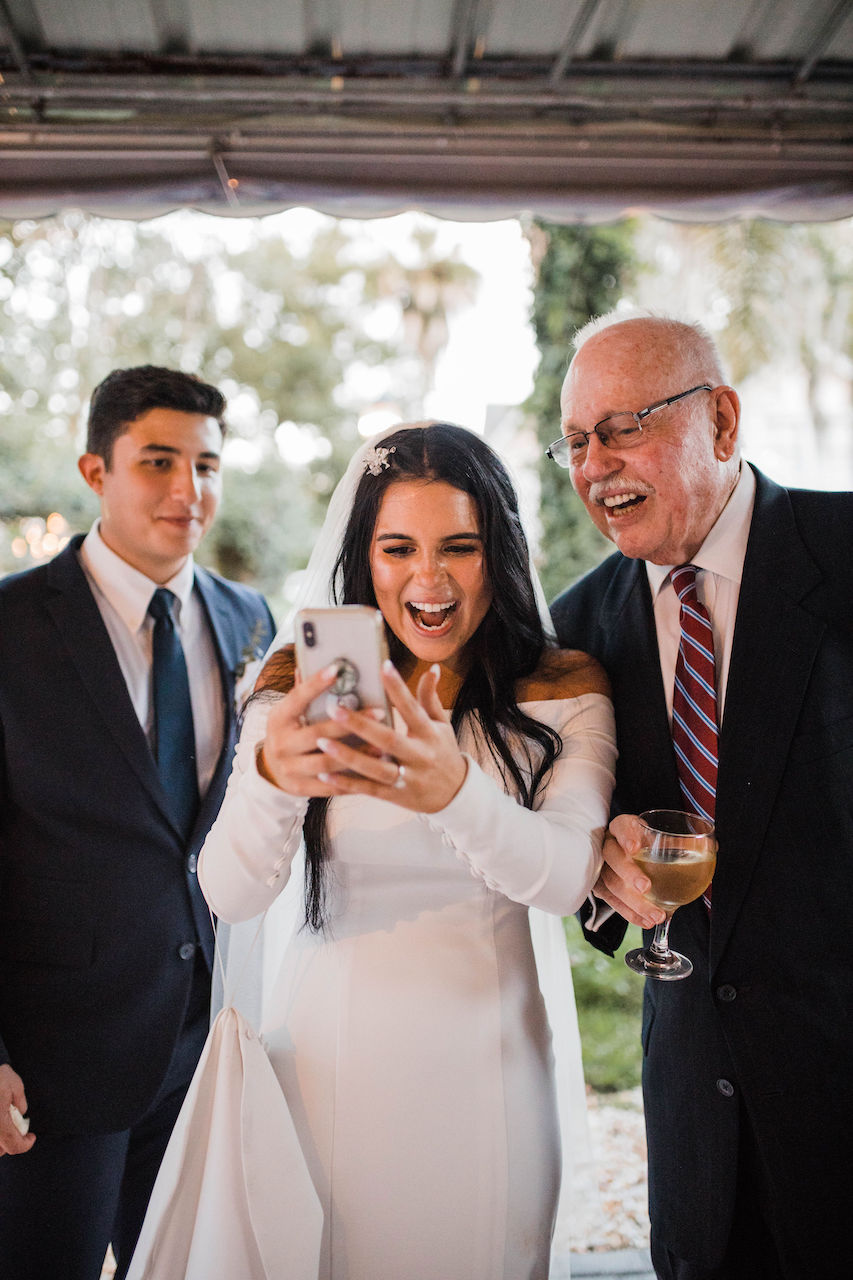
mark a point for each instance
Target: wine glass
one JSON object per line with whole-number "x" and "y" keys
{"x": 678, "y": 855}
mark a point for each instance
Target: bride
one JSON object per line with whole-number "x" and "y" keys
{"x": 406, "y": 1027}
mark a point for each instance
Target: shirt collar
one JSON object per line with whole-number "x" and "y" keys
{"x": 127, "y": 590}
{"x": 724, "y": 549}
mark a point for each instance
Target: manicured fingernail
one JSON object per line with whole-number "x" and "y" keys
{"x": 376, "y": 713}
{"x": 388, "y": 666}
{"x": 323, "y": 744}
{"x": 435, "y": 669}
{"x": 331, "y": 670}
{"x": 324, "y": 777}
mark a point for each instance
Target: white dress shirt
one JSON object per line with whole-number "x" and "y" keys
{"x": 122, "y": 595}
{"x": 720, "y": 564}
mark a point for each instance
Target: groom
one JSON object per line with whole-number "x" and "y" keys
{"x": 117, "y": 723}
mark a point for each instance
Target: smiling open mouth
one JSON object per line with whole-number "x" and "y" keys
{"x": 619, "y": 502}
{"x": 431, "y": 617}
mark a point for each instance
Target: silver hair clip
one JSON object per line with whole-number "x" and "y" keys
{"x": 377, "y": 459}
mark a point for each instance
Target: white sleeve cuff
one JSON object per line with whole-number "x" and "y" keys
{"x": 599, "y": 911}
{"x": 245, "y": 861}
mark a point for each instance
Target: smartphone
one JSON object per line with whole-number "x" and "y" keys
{"x": 351, "y": 638}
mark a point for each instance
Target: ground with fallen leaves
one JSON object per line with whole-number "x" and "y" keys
{"x": 618, "y": 1139}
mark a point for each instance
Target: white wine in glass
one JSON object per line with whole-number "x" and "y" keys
{"x": 679, "y": 854}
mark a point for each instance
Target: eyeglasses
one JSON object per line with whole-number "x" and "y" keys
{"x": 618, "y": 431}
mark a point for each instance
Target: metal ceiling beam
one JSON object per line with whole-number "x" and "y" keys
{"x": 227, "y": 183}
{"x": 576, "y": 32}
{"x": 461, "y": 35}
{"x": 821, "y": 39}
{"x": 638, "y": 89}
{"x": 489, "y": 134}
{"x": 309, "y": 69}
{"x": 18, "y": 52}
{"x": 603, "y": 169}
{"x": 626, "y": 17}
{"x": 173, "y": 25}
{"x": 757, "y": 19}
{"x": 500, "y": 148}
{"x": 322, "y": 26}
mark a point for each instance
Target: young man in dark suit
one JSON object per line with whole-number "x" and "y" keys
{"x": 748, "y": 1063}
{"x": 116, "y": 728}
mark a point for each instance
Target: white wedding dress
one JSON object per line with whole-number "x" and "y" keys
{"x": 411, "y": 1041}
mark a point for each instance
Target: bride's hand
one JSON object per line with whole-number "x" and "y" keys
{"x": 426, "y": 767}
{"x": 289, "y": 756}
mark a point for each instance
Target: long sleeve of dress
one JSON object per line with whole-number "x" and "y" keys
{"x": 548, "y": 857}
{"x": 246, "y": 858}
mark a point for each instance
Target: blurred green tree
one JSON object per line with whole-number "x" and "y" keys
{"x": 580, "y": 272}
{"x": 285, "y": 332}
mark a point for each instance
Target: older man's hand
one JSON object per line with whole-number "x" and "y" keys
{"x": 622, "y": 885}
{"x": 12, "y": 1141}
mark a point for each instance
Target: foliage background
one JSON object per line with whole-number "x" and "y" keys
{"x": 302, "y": 333}
{"x": 288, "y": 332}
{"x": 580, "y": 272}
{"x": 609, "y": 1001}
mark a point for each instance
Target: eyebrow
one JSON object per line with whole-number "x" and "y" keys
{"x": 168, "y": 448}
{"x": 568, "y": 427}
{"x": 408, "y": 537}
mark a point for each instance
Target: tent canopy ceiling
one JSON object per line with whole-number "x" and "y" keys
{"x": 577, "y": 109}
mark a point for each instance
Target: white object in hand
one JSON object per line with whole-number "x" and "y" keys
{"x": 21, "y": 1123}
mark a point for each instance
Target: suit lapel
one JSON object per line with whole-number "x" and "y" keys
{"x": 227, "y": 643}
{"x": 775, "y": 642}
{"x": 85, "y": 638}
{"x": 648, "y": 775}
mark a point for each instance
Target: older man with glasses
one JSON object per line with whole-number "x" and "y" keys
{"x": 748, "y": 1063}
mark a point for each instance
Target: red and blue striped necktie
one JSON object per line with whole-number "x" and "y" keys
{"x": 694, "y": 701}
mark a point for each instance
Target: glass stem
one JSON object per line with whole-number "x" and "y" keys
{"x": 660, "y": 942}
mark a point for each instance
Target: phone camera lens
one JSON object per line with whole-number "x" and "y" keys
{"x": 308, "y": 634}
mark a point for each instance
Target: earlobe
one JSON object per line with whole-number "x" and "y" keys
{"x": 726, "y": 423}
{"x": 91, "y": 467}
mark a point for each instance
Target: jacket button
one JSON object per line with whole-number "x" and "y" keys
{"x": 192, "y": 863}
{"x": 726, "y": 1088}
{"x": 727, "y": 992}
{"x": 186, "y": 950}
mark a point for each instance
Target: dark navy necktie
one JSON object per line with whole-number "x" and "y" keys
{"x": 174, "y": 738}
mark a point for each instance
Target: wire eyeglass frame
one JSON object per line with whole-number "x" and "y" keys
{"x": 568, "y": 450}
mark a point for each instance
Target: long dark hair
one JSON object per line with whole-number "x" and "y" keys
{"x": 507, "y": 645}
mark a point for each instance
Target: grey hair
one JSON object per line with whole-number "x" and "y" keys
{"x": 690, "y": 339}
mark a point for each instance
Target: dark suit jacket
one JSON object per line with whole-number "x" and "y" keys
{"x": 100, "y": 908}
{"x": 766, "y": 1019}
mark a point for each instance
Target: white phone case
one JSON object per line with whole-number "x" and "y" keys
{"x": 352, "y": 636}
